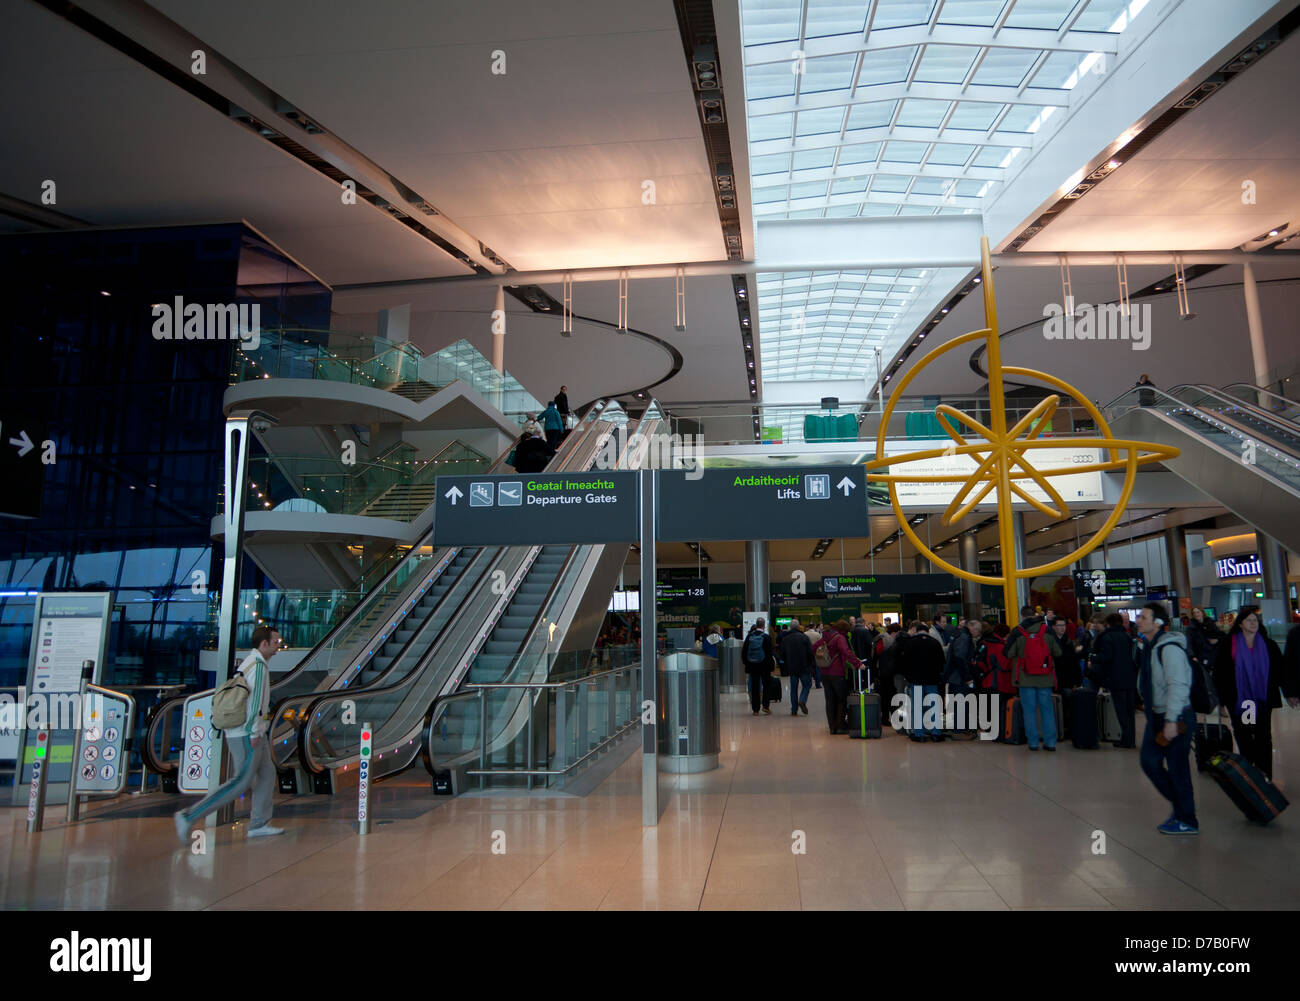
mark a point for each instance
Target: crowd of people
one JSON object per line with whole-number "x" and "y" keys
{"x": 1139, "y": 665}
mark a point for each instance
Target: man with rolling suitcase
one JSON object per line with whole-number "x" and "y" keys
{"x": 1165, "y": 681}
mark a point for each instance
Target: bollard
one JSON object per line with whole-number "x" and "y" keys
{"x": 78, "y": 730}
{"x": 363, "y": 782}
{"x": 40, "y": 768}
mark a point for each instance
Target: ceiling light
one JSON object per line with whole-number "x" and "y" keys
{"x": 1271, "y": 232}
{"x": 105, "y": 293}
{"x": 1113, "y": 164}
{"x": 944, "y": 310}
{"x": 978, "y": 280}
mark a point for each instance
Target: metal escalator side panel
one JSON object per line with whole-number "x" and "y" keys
{"x": 1245, "y": 489}
{"x": 580, "y": 451}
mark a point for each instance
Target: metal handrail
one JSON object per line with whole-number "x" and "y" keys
{"x": 307, "y": 715}
{"x": 1285, "y": 427}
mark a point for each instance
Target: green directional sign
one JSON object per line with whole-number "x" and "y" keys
{"x": 536, "y": 509}
{"x": 802, "y": 502}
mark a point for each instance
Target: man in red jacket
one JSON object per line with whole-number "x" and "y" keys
{"x": 835, "y": 677}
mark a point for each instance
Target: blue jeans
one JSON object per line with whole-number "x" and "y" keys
{"x": 1169, "y": 767}
{"x": 918, "y": 728}
{"x": 1033, "y": 701}
{"x": 802, "y": 682}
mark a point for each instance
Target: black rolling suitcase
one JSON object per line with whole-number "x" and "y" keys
{"x": 1258, "y": 798}
{"x": 1210, "y": 739}
{"x": 773, "y": 686}
{"x": 1082, "y": 713}
{"x": 864, "y": 712}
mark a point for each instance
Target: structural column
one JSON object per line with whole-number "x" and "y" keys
{"x": 1020, "y": 560}
{"x": 1255, "y": 324}
{"x": 921, "y": 564}
{"x": 970, "y": 562}
{"x": 1272, "y": 566}
{"x": 1180, "y": 575}
{"x": 499, "y": 331}
{"x": 757, "y": 592}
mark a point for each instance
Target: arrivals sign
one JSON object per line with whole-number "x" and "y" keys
{"x": 1238, "y": 566}
{"x": 536, "y": 509}
{"x": 891, "y": 584}
{"x": 763, "y": 503}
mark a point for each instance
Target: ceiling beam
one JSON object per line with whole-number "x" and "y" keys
{"x": 910, "y": 36}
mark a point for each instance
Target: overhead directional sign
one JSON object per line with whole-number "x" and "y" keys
{"x": 802, "y": 502}
{"x": 21, "y": 471}
{"x": 536, "y": 509}
{"x": 889, "y": 584}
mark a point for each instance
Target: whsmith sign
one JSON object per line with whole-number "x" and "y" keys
{"x": 1238, "y": 566}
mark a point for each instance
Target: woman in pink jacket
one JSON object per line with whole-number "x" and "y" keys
{"x": 835, "y": 678}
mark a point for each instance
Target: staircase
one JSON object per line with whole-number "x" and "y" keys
{"x": 414, "y": 390}
{"x": 401, "y": 501}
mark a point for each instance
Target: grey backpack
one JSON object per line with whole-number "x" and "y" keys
{"x": 230, "y": 703}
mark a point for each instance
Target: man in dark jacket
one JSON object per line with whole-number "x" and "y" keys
{"x": 562, "y": 402}
{"x": 797, "y": 652}
{"x": 921, "y": 661}
{"x": 861, "y": 641}
{"x": 1112, "y": 656}
{"x": 756, "y": 652}
{"x": 1068, "y": 672}
{"x": 1035, "y": 690}
{"x": 532, "y": 455}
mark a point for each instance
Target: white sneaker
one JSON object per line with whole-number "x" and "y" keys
{"x": 266, "y": 831}
{"x": 182, "y": 828}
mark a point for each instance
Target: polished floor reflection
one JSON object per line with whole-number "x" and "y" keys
{"x": 885, "y": 824}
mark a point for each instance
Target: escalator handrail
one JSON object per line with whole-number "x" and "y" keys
{"x": 1168, "y": 395}
{"x": 362, "y": 606}
{"x": 1290, "y": 430}
{"x": 308, "y": 713}
{"x": 1233, "y": 428}
{"x": 570, "y": 558}
{"x": 1261, "y": 391}
{"x": 147, "y": 756}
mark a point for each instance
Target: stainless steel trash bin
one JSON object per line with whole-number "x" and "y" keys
{"x": 690, "y": 731}
{"x": 733, "y": 671}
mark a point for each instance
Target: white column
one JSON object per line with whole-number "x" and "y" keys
{"x": 1255, "y": 324}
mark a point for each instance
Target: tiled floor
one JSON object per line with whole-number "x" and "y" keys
{"x": 883, "y": 825}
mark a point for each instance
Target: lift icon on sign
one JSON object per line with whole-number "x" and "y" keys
{"x": 817, "y": 486}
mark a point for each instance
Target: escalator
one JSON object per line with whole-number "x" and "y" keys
{"x": 536, "y": 613}
{"x": 392, "y": 628}
{"x": 1243, "y": 455}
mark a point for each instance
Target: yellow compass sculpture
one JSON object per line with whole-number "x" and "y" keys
{"x": 1001, "y": 454}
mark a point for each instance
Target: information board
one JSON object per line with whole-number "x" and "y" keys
{"x": 1114, "y": 584}
{"x": 1073, "y": 487}
{"x": 890, "y": 584}
{"x": 536, "y": 509}
{"x": 196, "y": 757}
{"x": 69, "y": 628}
{"x": 763, "y": 503}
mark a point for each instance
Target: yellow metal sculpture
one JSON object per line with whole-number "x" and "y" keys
{"x": 1001, "y": 456}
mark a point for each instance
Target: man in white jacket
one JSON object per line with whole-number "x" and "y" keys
{"x": 249, "y": 748}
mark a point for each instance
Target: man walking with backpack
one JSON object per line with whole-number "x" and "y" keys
{"x": 757, "y": 654}
{"x": 247, "y": 740}
{"x": 1165, "y": 680}
{"x": 1032, "y": 649}
{"x": 797, "y": 652}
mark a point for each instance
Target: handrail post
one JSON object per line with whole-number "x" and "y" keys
{"x": 613, "y": 706}
{"x": 528, "y": 759}
{"x": 482, "y": 737}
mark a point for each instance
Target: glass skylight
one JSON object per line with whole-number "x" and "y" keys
{"x": 877, "y": 108}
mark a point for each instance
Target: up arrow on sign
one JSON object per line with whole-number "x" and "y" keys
{"x": 454, "y": 494}
{"x": 846, "y": 485}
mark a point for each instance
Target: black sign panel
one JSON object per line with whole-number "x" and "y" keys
{"x": 1117, "y": 582}
{"x": 536, "y": 509}
{"x": 21, "y": 472}
{"x": 805, "y": 502}
{"x": 688, "y": 591}
{"x": 876, "y": 585}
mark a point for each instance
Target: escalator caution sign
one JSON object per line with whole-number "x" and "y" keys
{"x": 363, "y": 779}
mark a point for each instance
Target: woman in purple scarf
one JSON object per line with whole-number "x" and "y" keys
{"x": 1248, "y": 672}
